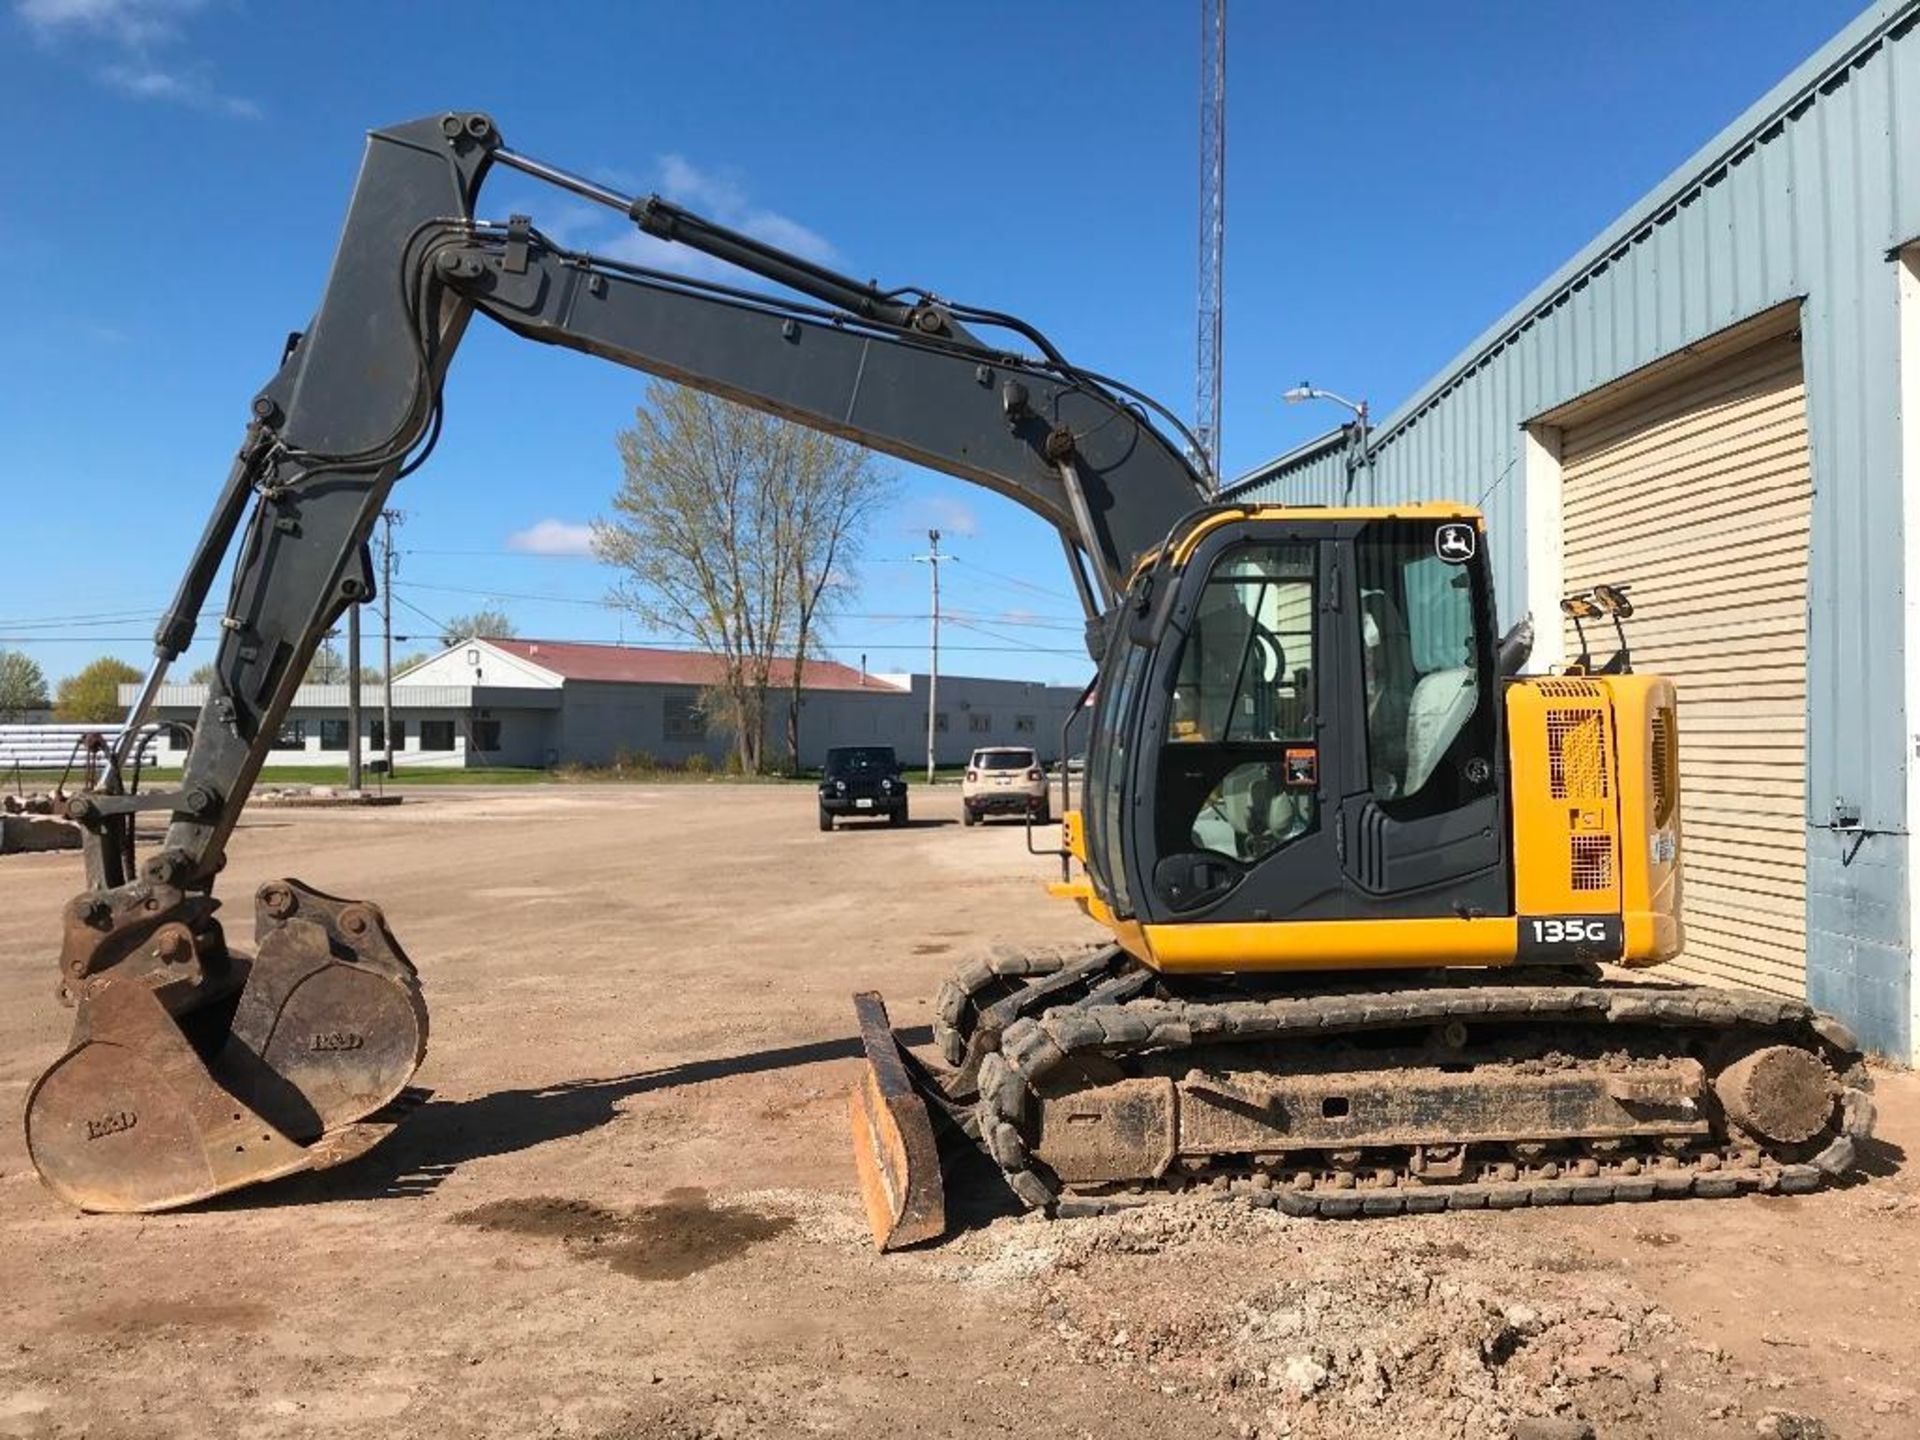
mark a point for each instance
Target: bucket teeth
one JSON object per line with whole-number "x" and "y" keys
{"x": 147, "y": 1111}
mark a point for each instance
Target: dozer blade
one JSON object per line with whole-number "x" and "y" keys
{"x": 894, "y": 1149}
{"x": 327, "y": 1032}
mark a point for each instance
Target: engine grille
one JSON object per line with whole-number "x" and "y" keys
{"x": 1592, "y": 862}
{"x": 1576, "y": 754}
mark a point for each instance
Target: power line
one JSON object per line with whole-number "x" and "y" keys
{"x": 1037, "y": 621}
{"x": 1013, "y": 580}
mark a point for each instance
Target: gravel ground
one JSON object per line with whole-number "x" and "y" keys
{"x": 628, "y": 1212}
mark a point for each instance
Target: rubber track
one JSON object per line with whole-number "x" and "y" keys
{"x": 1033, "y": 1047}
{"x": 960, "y": 992}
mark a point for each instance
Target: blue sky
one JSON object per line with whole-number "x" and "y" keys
{"x": 1398, "y": 175}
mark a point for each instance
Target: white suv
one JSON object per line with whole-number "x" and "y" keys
{"x": 1004, "y": 780}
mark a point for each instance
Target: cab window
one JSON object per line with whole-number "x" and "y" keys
{"x": 1239, "y": 772}
{"x": 1426, "y": 661}
{"x": 1109, "y": 765}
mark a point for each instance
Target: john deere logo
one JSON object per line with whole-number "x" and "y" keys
{"x": 1455, "y": 542}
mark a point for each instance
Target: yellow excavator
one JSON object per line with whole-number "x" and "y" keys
{"x": 1358, "y": 874}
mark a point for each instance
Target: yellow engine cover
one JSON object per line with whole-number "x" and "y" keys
{"x": 1596, "y": 805}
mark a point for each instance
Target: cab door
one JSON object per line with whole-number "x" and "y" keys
{"x": 1239, "y": 736}
{"x": 1421, "y": 824}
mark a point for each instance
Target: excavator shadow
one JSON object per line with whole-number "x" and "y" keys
{"x": 1876, "y": 1159}
{"x": 442, "y": 1135}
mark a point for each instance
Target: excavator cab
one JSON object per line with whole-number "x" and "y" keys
{"x": 1310, "y": 703}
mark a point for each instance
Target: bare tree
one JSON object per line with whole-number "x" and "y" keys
{"x": 720, "y": 527}
{"x": 482, "y": 623}
{"x": 836, "y": 488}
{"x": 327, "y": 666}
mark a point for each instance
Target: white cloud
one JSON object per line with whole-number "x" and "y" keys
{"x": 125, "y": 42}
{"x": 943, "y": 513}
{"x": 131, "y": 24}
{"x": 723, "y": 199}
{"x": 553, "y": 537}
{"x": 147, "y": 82}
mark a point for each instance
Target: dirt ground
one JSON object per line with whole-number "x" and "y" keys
{"x": 628, "y": 1212}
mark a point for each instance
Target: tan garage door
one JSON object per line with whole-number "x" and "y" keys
{"x": 1697, "y": 493}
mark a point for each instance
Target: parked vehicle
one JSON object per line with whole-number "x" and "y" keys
{"x": 1004, "y": 780}
{"x": 862, "y": 781}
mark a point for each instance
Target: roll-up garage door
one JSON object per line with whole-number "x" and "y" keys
{"x": 1697, "y": 493}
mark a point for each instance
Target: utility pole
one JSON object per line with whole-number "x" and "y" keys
{"x": 353, "y": 696}
{"x": 387, "y": 519}
{"x": 932, "y": 560}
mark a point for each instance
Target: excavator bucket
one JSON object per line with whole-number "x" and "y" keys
{"x": 149, "y": 1109}
{"x": 894, "y": 1149}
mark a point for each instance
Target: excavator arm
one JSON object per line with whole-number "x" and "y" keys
{"x": 194, "y": 1068}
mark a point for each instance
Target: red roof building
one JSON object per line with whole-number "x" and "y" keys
{"x": 641, "y": 665}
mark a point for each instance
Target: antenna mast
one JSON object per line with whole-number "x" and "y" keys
{"x": 1213, "y": 226}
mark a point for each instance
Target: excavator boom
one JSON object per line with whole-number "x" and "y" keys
{"x": 195, "y": 1068}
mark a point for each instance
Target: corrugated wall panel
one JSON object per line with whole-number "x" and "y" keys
{"x": 1699, "y": 493}
{"x": 1804, "y": 197}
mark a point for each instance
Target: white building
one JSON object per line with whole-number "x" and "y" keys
{"x": 544, "y": 702}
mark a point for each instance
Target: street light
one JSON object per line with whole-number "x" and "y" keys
{"x": 1305, "y": 390}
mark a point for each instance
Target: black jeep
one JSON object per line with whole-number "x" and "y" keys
{"x": 862, "y": 780}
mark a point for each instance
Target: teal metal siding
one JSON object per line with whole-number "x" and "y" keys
{"x": 1805, "y": 197}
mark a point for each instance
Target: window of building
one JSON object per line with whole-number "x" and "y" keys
{"x": 436, "y": 734}
{"x": 684, "y": 718}
{"x": 377, "y": 736}
{"x": 333, "y": 734}
{"x": 292, "y": 736}
{"x": 486, "y": 733}
{"x": 1023, "y": 724}
{"x": 940, "y": 721}
{"x": 980, "y": 723}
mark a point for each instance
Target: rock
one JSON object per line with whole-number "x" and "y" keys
{"x": 1552, "y": 1427}
{"x": 1302, "y": 1374}
{"x": 1639, "y": 1375}
{"x": 1786, "y": 1425}
{"x": 1523, "y": 1319}
{"x": 20, "y": 833}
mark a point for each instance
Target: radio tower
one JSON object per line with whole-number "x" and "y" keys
{"x": 1213, "y": 228}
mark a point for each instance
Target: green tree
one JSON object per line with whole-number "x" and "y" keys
{"x": 23, "y": 686}
{"x": 202, "y": 674}
{"x": 486, "y": 624}
{"x": 404, "y": 663}
{"x": 92, "y": 697}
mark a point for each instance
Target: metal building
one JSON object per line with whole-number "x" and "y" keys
{"x": 1717, "y": 402}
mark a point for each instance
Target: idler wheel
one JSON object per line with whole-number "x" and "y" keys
{"x": 1782, "y": 1093}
